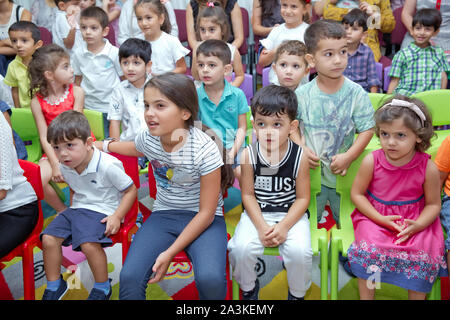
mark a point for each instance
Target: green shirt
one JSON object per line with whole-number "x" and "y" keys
{"x": 17, "y": 76}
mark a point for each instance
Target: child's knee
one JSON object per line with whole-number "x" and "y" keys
{"x": 50, "y": 242}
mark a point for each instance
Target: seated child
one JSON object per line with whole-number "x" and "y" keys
{"x": 420, "y": 66}
{"x": 66, "y": 29}
{"x": 290, "y": 65}
{"x": 101, "y": 193}
{"x": 26, "y": 39}
{"x": 222, "y": 107}
{"x": 361, "y": 62}
{"x": 275, "y": 193}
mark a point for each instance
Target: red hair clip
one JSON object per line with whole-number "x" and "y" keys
{"x": 210, "y": 4}
{"x": 307, "y": 1}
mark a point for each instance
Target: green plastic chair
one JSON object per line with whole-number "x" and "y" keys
{"x": 342, "y": 238}
{"x": 95, "y": 119}
{"x": 377, "y": 99}
{"x": 22, "y": 121}
{"x": 249, "y": 135}
{"x": 319, "y": 239}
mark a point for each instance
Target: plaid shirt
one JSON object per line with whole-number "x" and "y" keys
{"x": 361, "y": 68}
{"x": 419, "y": 69}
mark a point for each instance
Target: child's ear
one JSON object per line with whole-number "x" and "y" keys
{"x": 186, "y": 114}
{"x": 436, "y": 32}
{"x": 228, "y": 68}
{"x": 293, "y": 126}
{"x": 105, "y": 31}
{"x": 310, "y": 59}
{"x": 90, "y": 142}
{"x": 48, "y": 75}
{"x": 38, "y": 44}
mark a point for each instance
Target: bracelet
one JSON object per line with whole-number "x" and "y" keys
{"x": 106, "y": 143}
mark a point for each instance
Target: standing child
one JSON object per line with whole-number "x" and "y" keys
{"x": 331, "y": 110}
{"x": 187, "y": 214}
{"x": 294, "y": 13}
{"x": 101, "y": 193}
{"x": 212, "y": 23}
{"x": 398, "y": 233}
{"x": 223, "y": 108}
{"x": 66, "y": 30}
{"x": 113, "y": 10}
{"x": 275, "y": 193}
{"x": 25, "y": 39}
{"x": 290, "y": 65}
{"x": 420, "y": 66}
{"x": 96, "y": 63}
{"x": 53, "y": 93}
{"x": 361, "y": 62}
{"x": 167, "y": 51}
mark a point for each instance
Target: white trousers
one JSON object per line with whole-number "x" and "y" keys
{"x": 245, "y": 247}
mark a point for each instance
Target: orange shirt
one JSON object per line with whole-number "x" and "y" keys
{"x": 442, "y": 161}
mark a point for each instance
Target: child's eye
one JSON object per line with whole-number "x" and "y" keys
{"x": 200, "y": 65}
{"x": 212, "y": 30}
{"x": 344, "y": 51}
{"x": 383, "y": 134}
{"x": 212, "y": 65}
{"x": 283, "y": 65}
{"x": 277, "y": 124}
{"x": 260, "y": 124}
{"x": 56, "y": 148}
{"x": 296, "y": 66}
{"x": 401, "y": 135}
{"x": 202, "y": 30}
{"x": 328, "y": 54}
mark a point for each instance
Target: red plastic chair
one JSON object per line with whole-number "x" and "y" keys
{"x": 25, "y": 250}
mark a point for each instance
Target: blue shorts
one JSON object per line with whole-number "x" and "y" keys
{"x": 78, "y": 226}
{"x": 445, "y": 219}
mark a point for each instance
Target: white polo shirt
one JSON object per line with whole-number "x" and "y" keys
{"x": 61, "y": 29}
{"x": 101, "y": 74}
{"x": 99, "y": 187}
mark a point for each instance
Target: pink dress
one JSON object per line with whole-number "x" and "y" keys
{"x": 415, "y": 263}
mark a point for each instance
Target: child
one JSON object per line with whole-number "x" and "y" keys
{"x": 96, "y": 63}
{"x": 167, "y": 51}
{"x": 53, "y": 93}
{"x": 290, "y": 65}
{"x": 25, "y": 39}
{"x": 293, "y": 12}
{"x": 331, "y": 109}
{"x": 101, "y": 193}
{"x": 19, "y": 145}
{"x": 223, "y": 107}
{"x": 420, "y": 66}
{"x": 86, "y": 4}
{"x": 275, "y": 193}
{"x": 113, "y": 10}
{"x": 398, "y": 233}
{"x": 212, "y": 23}
{"x": 187, "y": 214}
{"x": 443, "y": 164}
{"x": 361, "y": 62}
{"x": 66, "y": 30}
{"x": 18, "y": 203}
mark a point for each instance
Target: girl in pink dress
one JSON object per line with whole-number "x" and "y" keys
{"x": 398, "y": 235}
{"x": 52, "y": 86}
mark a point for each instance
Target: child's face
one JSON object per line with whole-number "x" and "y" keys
{"x": 398, "y": 142}
{"x": 149, "y": 21}
{"x": 330, "y": 58}
{"x": 292, "y": 12}
{"x": 86, "y": 3}
{"x": 422, "y": 35}
{"x": 209, "y": 30}
{"x": 211, "y": 69}
{"x": 92, "y": 31}
{"x": 135, "y": 70}
{"x": 75, "y": 153}
{"x": 274, "y": 130}
{"x": 23, "y": 43}
{"x": 290, "y": 70}
{"x": 63, "y": 73}
{"x": 355, "y": 34}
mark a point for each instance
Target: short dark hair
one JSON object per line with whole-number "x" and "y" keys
{"x": 215, "y": 48}
{"x": 428, "y": 18}
{"x": 291, "y": 47}
{"x": 136, "y": 47}
{"x": 26, "y": 26}
{"x": 67, "y": 126}
{"x": 322, "y": 29}
{"x": 273, "y": 99}
{"x": 97, "y": 13}
{"x": 356, "y": 16}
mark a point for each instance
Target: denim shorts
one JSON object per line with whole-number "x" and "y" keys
{"x": 78, "y": 226}
{"x": 445, "y": 218}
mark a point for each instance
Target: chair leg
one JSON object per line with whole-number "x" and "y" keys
{"x": 334, "y": 269}
{"x": 435, "y": 293}
{"x": 236, "y": 290}
{"x": 323, "y": 251}
{"x": 28, "y": 273}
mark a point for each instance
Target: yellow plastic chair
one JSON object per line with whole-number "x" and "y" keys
{"x": 319, "y": 239}
{"x": 22, "y": 121}
{"x": 95, "y": 119}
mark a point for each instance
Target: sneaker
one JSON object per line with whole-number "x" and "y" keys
{"x": 253, "y": 294}
{"x": 97, "y": 294}
{"x": 291, "y": 297}
{"x": 58, "y": 294}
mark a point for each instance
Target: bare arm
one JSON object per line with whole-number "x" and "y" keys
{"x": 114, "y": 129}
{"x": 266, "y": 57}
{"x": 180, "y": 66}
{"x": 237, "y": 26}
{"x": 15, "y": 96}
{"x": 240, "y": 135}
{"x": 114, "y": 221}
{"x": 393, "y": 84}
{"x": 409, "y": 8}
{"x": 444, "y": 80}
{"x": 258, "y": 28}
{"x": 237, "y": 69}
{"x": 78, "y": 104}
{"x": 192, "y": 39}
{"x": 127, "y": 148}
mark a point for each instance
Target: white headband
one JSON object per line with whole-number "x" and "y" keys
{"x": 409, "y": 105}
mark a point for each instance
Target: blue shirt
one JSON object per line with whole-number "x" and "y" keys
{"x": 223, "y": 118}
{"x": 361, "y": 68}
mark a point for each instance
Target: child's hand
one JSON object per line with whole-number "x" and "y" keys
{"x": 112, "y": 225}
{"x": 392, "y": 223}
{"x": 56, "y": 174}
{"x": 73, "y": 16}
{"x": 313, "y": 159}
{"x": 411, "y": 227}
{"x": 98, "y": 144}
{"x": 340, "y": 163}
{"x": 277, "y": 234}
{"x": 3, "y": 194}
{"x": 160, "y": 267}
{"x": 262, "y": 236}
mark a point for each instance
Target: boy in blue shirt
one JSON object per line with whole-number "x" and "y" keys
{"x": 223, "y": 107}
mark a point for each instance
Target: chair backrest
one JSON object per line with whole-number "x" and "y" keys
{"x": 265, "y": 76}
{"x": 344, "y": 183}
{"x": 377, "y": 99}
{"x": 438, "y": 102}
{"x": 315, "y": 178}
{"x": 46, "y": 35}
{"x": 32, "y": 172}
{"x": 111, "y": 36}
{"x": 22, "y": 121}
{"x": 243, "y": 49}
{"x": 180, "y": 16}
{"x": 246, "y": 86}
{"x": 95, "y": 119}
{"x": 400, "y": 30}
{"x": 379, "y": 70}
{"x": 387, "y": 79}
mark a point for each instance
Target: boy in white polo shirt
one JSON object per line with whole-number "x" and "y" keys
{"x": 66, "y": 31}
{"x": 96, "y": 63}
{"x": 102, "y": 193}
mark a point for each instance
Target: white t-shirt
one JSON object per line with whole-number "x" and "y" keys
{"x": 99, "y": 187}
{"x": 127, "y": 106}
{"x": 61, "y": 29}
{"x": 277, "y": 36}
{"x": 101, "y": 74}
{"x": 178, "y": 173}
{"x": 166, "y": 51}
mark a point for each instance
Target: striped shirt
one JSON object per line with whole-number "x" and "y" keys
{"x": 418, "y": 69}
{"x": 178, "y": 173}
{"x": 361, "y": 68}
{"x": 275, "y": 184}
